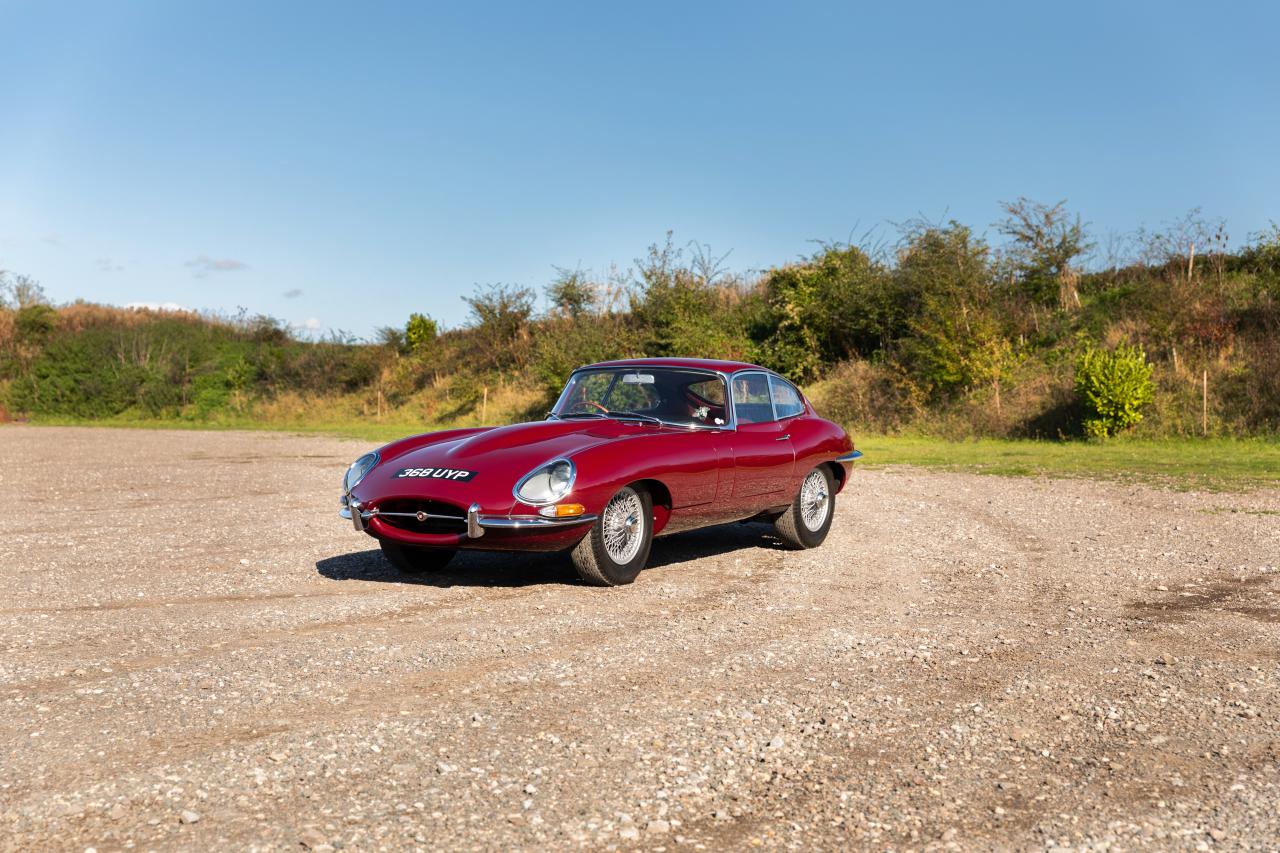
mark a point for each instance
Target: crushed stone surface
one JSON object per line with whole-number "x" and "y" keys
{"x": 198, "y": 653}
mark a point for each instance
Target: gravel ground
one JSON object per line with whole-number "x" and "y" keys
{"x": 198, "y": 654}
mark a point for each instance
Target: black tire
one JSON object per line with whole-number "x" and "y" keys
{"x": 792, "y": 527}
{"x": 414, "y": 561}
{"x": 593, "y": 560}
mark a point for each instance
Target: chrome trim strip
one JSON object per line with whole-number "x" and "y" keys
{"x": 850, "y": 456}
{"x": 518, "y": 522}
{"x": 476, "y": 523}
{"x": 420, "y": 516}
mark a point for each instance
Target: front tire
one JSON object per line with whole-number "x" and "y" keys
{"x": 806, "y": 522}
{"x": 617, "y": 546}
{"x": 415, "y": 561}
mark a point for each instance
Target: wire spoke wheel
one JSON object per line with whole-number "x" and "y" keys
{"x": 616, "y": 548}
{"x": 815, "y": 503}
{"x": 807, "y": 521}
{"x": 623, "y": 526}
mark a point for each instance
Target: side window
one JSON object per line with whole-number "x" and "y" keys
{"x": 709, "y": 390}
{"x": 786, "y": 399}
{"x": 704, "y": 400}
{"x": 751, "y": 403}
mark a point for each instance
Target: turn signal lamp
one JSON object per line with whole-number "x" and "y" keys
{"x": 562, "y": 510}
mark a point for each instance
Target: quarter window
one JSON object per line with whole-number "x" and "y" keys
{"x": 786, "y": 399}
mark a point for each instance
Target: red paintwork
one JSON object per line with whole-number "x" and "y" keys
{"x": 698, "y": 477}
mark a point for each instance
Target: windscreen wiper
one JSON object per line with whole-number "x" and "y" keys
{"x": 634, "y": 415}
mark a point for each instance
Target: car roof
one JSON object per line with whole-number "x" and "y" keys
{"x": 694, "y": 363}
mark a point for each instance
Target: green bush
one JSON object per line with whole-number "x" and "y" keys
{"x": 420, "y": 333}
{"x": 837, "y": 304}
{"x": 1114, "y": 385}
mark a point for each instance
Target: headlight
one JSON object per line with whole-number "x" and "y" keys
{"x": 547, "y": 484}
{"x": 358, "y": 469}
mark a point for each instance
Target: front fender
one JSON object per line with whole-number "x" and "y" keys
{"x": 683, "y": 469}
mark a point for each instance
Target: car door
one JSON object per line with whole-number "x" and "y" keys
{"x": 763, "y": 457}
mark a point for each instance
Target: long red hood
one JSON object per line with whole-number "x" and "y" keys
{"x": 497, "y": 458}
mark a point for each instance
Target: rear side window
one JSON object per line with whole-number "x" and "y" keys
{"x": 751, "y": 403}
{"x": 786, "y": 399}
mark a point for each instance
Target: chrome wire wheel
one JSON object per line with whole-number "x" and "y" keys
{"x": 622, "y": 526}
{"x": 815, "y": 503}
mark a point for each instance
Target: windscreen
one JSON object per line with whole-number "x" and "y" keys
{"x": 670, "y": 395}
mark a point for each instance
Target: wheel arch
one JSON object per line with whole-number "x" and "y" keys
{"x": 662, "y": 502}
{"x": 838, "y": 474}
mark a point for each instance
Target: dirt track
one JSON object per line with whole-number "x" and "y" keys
{"x": 198, "y": 653}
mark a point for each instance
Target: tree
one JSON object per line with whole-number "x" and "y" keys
{"x": 420, "y": 333}
{"x": 570, "y": 293}
{"x": 20, "y": 291}
{"x": 832, "y": 307}
{"x": 391, "y": 338}
{"x": 955, "y": 341}
{"x": 501, "y": 313}
{"x": 1045, "y": 243}
{"x": 679, "y": 312}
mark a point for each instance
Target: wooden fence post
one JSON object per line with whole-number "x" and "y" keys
{"x": 484, "y": 407}
{"x": 1204, "y": 404}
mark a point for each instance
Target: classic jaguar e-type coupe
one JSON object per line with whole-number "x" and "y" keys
{"x": 632, "y": 449}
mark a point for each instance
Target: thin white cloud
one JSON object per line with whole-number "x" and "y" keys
{"x": 292, "y": 294}
{"x": 204, "y": 265}
{"x": 311, "y": 324}
{"x": 157, "y": 306}
{"x": 108, "y": 265}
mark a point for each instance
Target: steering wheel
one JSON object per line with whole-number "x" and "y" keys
{"x": 597, "y": 405}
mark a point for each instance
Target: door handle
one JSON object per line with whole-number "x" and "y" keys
{"x": 786, "y": 437}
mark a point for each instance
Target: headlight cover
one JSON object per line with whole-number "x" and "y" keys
{"x": 546, "y": 484}
{"x": 359, "y": 469}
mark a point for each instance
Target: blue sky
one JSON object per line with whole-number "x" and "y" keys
{"x": 345, "y": 164}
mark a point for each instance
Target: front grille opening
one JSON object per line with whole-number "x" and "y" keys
{"x": 402, "y": 514}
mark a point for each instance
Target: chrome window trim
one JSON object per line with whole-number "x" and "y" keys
{"x": 737, "y": 374}
{"x": 731, "y": 426}
{"x": 773, "y": 377}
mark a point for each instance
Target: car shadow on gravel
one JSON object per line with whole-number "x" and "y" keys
{"x": 469, "y": 568}
{"x": 517, "y": 569}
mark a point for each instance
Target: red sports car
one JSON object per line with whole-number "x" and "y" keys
{"x": 632, "y": 449}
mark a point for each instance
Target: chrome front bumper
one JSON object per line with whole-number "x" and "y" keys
{"x": 475, "y": 522}
{"x": 850, "y": 456}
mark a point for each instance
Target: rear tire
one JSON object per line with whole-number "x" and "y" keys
{"x": 616, "y": 548}
{"x": 415, "y": 561}
{"x": 807, "y": 521}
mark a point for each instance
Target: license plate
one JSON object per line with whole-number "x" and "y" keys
{"x": 458, "y": 474}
